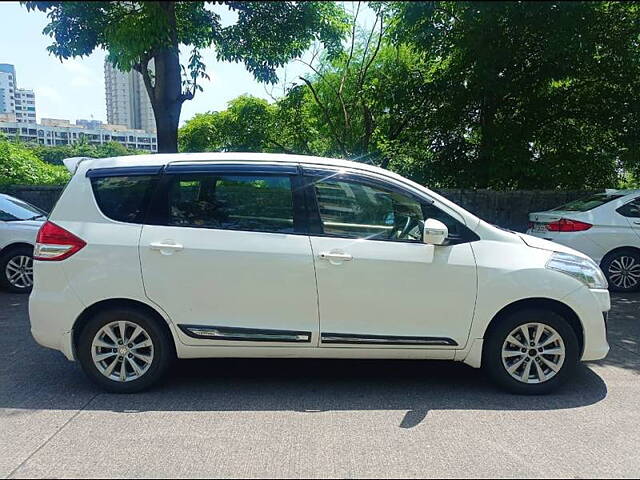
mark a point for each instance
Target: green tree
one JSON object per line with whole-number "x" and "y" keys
{"x": 137, "y": 35}
{"x": 245, "y": 126}
{"x": 525, "y": 94}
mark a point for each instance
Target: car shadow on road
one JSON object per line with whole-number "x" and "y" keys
{"x": 303, "y": 385}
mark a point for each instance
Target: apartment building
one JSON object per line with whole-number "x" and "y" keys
{"x": 53, "y": 131}
{"x": 127, "y": 99}
{"x": 16, "y": 101}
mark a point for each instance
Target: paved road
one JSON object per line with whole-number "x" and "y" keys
{"x": 315, "y": 418}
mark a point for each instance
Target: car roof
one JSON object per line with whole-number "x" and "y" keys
{"x": 167, "y": 158}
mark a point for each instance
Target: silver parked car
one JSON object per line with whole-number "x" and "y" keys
{"x": 19, "y": 225}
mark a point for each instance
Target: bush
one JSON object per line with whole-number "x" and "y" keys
{"x": 55, "y": 154}
{"x": 19, "y": 166}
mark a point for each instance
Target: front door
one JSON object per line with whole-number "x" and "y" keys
{"x": 379, "y": 285}
{"x": 225, "y": 259}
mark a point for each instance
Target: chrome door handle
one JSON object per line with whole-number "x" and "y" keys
{"x": 336, "y": 256}
{"x": 165, "y": 246}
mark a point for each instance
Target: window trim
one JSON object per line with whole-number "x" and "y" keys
{"x": 155, "y": 215}
{"x": 316, "y": 229}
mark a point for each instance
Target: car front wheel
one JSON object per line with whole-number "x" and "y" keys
{"x": 124, "y": 350}
{"x": 531, "y": 352}
{"x": 16, "y": 269}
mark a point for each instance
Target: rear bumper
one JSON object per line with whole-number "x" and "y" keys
{"x": 53, "y": 308}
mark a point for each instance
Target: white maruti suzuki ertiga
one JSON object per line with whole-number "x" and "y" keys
{"x": 148, "y": 258}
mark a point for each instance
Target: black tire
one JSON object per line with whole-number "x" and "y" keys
{"x": 163, "y": 349}
{"x": 7, "y": 256}
{"x": 492, "y": 351}
{"x": 611, "y": 262}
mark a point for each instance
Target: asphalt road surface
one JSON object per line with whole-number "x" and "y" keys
{"x": 316, "y": 418}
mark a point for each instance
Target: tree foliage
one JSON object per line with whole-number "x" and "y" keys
{"x": 464, "y": 94}
{"x": 146, "y": 36}
{"x": 20, "y": 166}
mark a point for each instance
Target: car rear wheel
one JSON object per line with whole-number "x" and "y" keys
{"x": 16, "y": 268}
{"x": 124, "y": 350}
{"x": 622, "y": 270}
{"x": 531, "y": 352}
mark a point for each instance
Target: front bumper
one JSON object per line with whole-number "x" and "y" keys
{"x": 590, "y": 305}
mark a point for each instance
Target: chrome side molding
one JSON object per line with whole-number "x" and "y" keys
{"x": 245, "y": 334}
{"x": 352, "y": 338}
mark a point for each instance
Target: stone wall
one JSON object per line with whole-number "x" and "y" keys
{"x": 507, "y": 209}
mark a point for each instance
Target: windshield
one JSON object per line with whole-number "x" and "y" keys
{"x": 588, "y": 203}
{"x": 12, "y": 209}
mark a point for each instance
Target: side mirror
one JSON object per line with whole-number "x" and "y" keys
{"x": 435, "y": 232}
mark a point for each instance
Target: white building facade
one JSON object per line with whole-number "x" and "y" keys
{"x": 51, "y": 132}
{"x": 127, "y": 99}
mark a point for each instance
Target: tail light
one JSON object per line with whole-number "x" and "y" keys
{"x": 54, "y": 243}
{"x": 566, "y": 225}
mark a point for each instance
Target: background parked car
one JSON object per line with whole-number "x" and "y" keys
{"x": 605, "y": 226}
{"x": 19, "y": 225}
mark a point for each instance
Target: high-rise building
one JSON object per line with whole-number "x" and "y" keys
{"x": 127, "y": 99}
{"x": 13, "y": 100}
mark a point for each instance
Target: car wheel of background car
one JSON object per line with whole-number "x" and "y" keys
{"x": 530, "y": 352}
{"x": 622, "y": 270}
{"x": 124, "y": 350}
{"x": 16, "y": 268}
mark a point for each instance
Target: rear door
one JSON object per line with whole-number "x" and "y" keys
{"x": 227, "y": 256}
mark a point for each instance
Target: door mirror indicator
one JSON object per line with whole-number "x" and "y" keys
{"x": 435, "y": 232}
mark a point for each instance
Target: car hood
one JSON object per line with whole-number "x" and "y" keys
{"x": 536, "y": 242}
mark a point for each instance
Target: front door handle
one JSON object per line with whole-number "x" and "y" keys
{"x": 341, "y": 256}
{"x": 165, "y": 248}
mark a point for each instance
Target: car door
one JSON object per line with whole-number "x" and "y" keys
{"x": 379, "y": 285}
{"x": 225, "y": 254}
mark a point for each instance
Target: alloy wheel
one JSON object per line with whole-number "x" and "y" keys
{"x": 19, "y": 271}
{"x": 122, "y": 351}
{"x": 533, "y": 353}
{"x": 624, "y": 272}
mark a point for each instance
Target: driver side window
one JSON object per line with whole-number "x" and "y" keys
{"x": 358, "y": 210}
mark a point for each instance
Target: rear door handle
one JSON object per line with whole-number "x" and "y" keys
{"x": 166, "y": 248}
{"x": 345, "y": 257}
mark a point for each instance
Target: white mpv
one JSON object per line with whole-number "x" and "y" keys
{"x": 148, "y": 258}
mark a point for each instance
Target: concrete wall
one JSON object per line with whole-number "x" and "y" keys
{"x": 507, "y": 209}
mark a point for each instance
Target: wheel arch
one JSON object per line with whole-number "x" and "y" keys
{"x": 610, "y": 253}
{"x": 562, "y": 309}
{"x": 113, "y": 303}
{"x": 14, "y": 245}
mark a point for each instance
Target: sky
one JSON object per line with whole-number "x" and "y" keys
{"x": 74, "y": 89}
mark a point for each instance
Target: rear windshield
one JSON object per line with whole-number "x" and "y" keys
{"x": 12, "y": 209}
{"x": 124, "y": 198}
{"x": 588, "y": 203}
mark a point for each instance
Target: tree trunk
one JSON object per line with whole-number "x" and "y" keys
{"x": 166, "y": 91}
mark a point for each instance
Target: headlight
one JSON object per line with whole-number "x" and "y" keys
{"x": 583, "y": 269}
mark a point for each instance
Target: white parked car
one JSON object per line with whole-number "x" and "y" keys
{"x": 259, "y": 255}
{"x": 19, "y": 224}
{"x": 604, "y": 226}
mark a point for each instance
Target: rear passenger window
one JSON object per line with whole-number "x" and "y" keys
{"x": 232, "y": 202}
{"x": 631, "y": 209}
{"x": 123, "y": 198}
